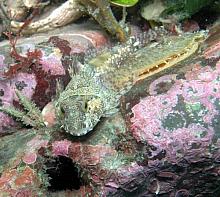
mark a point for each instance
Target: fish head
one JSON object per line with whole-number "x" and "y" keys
{"x": 80, "y": 114}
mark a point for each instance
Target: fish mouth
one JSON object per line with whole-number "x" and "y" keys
{"x": 79, "y": 132}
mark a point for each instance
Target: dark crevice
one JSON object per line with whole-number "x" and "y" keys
{"x": 206, "y": 16}
{"x": 63, "y": 174}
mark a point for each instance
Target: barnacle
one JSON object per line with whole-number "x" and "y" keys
{"x": 31, "y": 116}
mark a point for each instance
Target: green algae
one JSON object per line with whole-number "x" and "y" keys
{"x": 124, "y": 3}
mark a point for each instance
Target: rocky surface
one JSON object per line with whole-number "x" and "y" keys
{"x": 164, "y": 141}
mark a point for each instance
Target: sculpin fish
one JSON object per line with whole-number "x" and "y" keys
{"x": 95, "y": 91}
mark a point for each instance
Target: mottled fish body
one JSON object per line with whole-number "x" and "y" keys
{"x": 95, "y": 91}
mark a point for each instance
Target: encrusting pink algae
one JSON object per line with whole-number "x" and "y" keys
{"x": 24, "y": 82}
{"x": 27, "y": 83}
{"x": 180, "y": 121}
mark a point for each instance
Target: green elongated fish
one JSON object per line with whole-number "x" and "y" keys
{"x": 95, "y": 91}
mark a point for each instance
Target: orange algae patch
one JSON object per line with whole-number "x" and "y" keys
{"x": 7, "y": 177}
{"x": 27, "y": 177}
{"x": 14, "y": 178}
{"x": 16, "y": 182}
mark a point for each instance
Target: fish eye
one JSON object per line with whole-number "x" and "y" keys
{"x": 86, "y": 103}
{"x": 85, "y": 106}
{"x": 62, "y": 110}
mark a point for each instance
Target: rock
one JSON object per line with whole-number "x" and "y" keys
{"x": 169, "y": 12}
{"x": 19, "y": 183}
{"x": 166, "y": 143}
{"x": 38, "y": 79}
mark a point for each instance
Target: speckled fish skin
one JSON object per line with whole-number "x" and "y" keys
{"x": 95, "y": 91}
{"x": 84, "y": 101}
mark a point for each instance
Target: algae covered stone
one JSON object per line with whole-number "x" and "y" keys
{"x": 168, "y": 11}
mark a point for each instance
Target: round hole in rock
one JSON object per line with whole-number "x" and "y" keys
{"x": 63, "y": 174}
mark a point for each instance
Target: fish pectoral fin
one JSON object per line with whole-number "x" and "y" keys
{"x": 111, "y": 112}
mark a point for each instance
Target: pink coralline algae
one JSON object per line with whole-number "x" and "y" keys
{"x": 181, "y": 120}
{"x": 2, "y": 65}
{"x": 28, "y": 83}
{"x": 30, "y": 157}
{"x": 125, "y": 176}
{"x": 89, "y": 155}
{"x": 32, "y": 148}
{"x": 84, "y": 40}
{"x": 37, "y": 142}
{"x": 49, "y": 115}
{"x": 52, "y": 64}
{"x": 163, "y": 79}
{"x": 5, "y": 122}
{"x": 24, "y": 82}
{"x": 61, "y": 148}
{"x": 96, "y": 38}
